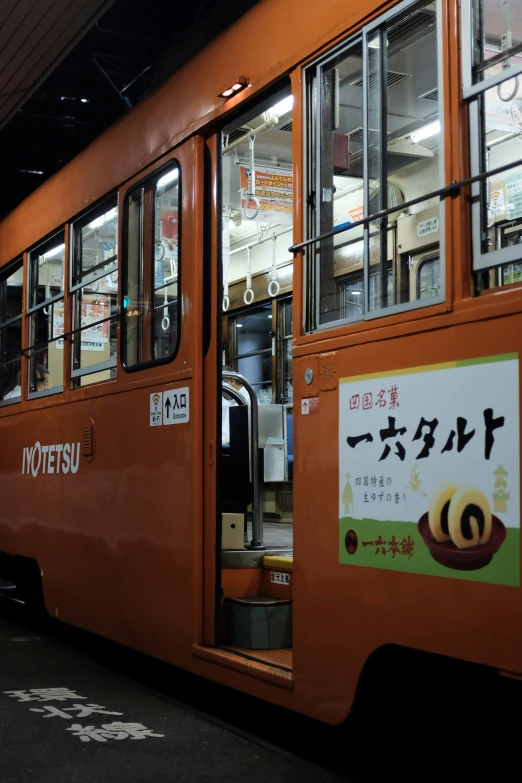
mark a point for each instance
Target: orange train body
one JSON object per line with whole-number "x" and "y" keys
{"x": 125, "y": 543}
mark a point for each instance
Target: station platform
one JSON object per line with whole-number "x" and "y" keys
{"x": 67, "y": 719}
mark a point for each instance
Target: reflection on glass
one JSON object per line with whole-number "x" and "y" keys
{"x": 46, "y": 356}
{"x": 96, "y": 243}
{"x": 166, "y": 279}
{"x": 47, "y": 270}
{"x": 258, "y": 370}
{"x": 11, "y": 335}
{"x": 428, "y": 278}
{"x": 254, "y": 330}
{"x": 498, "y": 33}
{"x": 502, "y": 195}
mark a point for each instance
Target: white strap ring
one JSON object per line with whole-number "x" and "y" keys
{"x": 226, "y": 303}
{"x": 273, "y": 288}
{"x": 255, "y": 201}
{"x": 248, "y": 296}
{"x": 165, "y": 323}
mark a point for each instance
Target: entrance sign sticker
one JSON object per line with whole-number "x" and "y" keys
{"x": 170, "y": 407}
{"x": 429, "y": 470}
{"x": 176, "y": 406}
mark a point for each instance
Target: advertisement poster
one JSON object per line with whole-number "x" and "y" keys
{"x": 274, "y": 191}
{"x": 429, "y": 470}
{"x": 94, "y": 308}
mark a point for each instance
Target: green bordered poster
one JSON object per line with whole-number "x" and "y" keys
{"x": 429, "y": 470}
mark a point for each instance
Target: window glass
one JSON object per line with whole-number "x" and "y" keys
{"x": 151, "y": 264}
{"x": 47, "y": 265}
{"x": 284, "y": 387}
{"x": 252, "y": 349}
{"x": 495, "y": 126}
{"x": 95, "y": 241}
{"x": 497, "y": 39}
{"x": 377, "y": 135}
{"x": 46, "y": 315}
{"x": 11, "y": 305}
{"x": 428, "y": 278}
{"x": 95, "y": 305}
{"x": 166, "y": 244}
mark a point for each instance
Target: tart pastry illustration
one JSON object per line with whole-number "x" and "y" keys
{"x": 459, "y": 529}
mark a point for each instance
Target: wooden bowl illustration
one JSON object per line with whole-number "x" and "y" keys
{"x": 447, "y": 554}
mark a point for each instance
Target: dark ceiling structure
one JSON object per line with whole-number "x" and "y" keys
{"x": 113, "y": 53}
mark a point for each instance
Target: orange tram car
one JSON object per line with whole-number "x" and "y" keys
{"x": 260, "y": 356}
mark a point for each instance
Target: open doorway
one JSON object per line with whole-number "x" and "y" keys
{"x": 256, "y": 474}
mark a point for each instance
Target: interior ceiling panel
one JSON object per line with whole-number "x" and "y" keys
{"x": 35, "y": 35}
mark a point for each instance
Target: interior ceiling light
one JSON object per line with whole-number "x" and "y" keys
{"x": 31, "y": 171}
{"x": 284, "y": 106}
{"x": 170, "y": 176}
{"x": 99, "y": 221}
{"x": 426, "y": 132}
{"x": 84, "y": 100}
{"x": 55, "y": 251}
{"x": 240, "y": 84}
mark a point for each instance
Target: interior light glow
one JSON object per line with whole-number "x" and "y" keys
{"x": 355, "y": 293}
{"x": 55, "y": 251}
{"x": 269, "y": 316}
{"x": 104, "y": 218}
{"x": 284, "y": 106}
{"x": 227, "y": 93}
{"x": 239, "y": 326}
{"x": 424, "y": 133}
{"x": 31, "y": 171}
{"x": 84, "y": 100}
{"x": 170, "y": 176}
{"x": 237, "y": 86}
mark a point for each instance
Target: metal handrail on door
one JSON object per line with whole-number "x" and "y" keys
{"x": 257, "y": 503}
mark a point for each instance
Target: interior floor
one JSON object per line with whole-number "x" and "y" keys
{"x": 276, "y": 535}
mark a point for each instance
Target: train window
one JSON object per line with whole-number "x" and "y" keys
{"x": 375, "y": 141}
{"x": 151, "y": 313}
{"x": 11, "y": 308}
{"x": 46, "y": 316}
{"x": 95, "y": 294}
{"x": 428, "y": 276}
{"x": 251, "y": 342}
{"x": 492, "y": 68}
{"x": 284, "y": 372}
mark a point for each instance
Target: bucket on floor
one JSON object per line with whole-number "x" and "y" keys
{"x": 259, "y": 622}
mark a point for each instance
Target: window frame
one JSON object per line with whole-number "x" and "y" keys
{"x": 312, "y": 108}
{"x": 79, "y": 281}
{"x": 473, "y": 94}
{"x": 234, "y": 356}
{"x": 31, "y": 311}
{"x": 150, "y": 178}
{"x": 5, "y": 273}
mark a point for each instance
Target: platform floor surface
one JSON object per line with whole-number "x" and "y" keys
{"x": 66, "y": 719}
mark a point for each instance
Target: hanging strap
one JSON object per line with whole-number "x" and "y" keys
{"x": 252, "y": 202}
{"x": 248, "y": 296}
{"x": 273, "y": 286}
{"x": 226, "y": 260}
{"x": 165, "y": 321}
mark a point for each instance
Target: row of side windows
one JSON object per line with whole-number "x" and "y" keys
{"x": 150, "y": 290}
